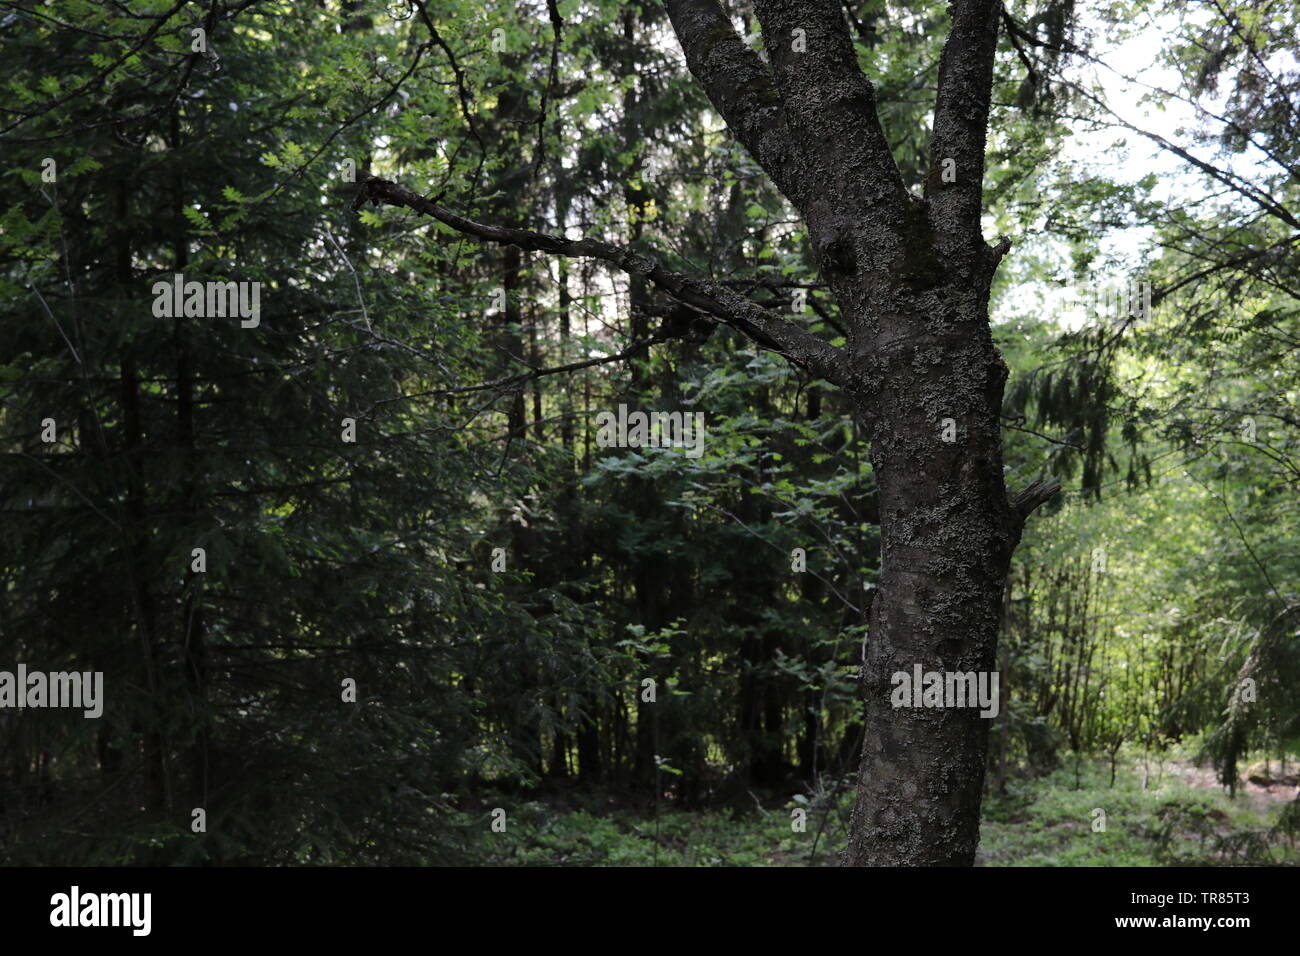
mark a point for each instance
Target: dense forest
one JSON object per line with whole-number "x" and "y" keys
{"x": 573, "y": 432}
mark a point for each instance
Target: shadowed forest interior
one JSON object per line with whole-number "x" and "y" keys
{"x": 368, "y": 581}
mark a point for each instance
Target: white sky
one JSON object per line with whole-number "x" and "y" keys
{"x": 1137, "y": 57}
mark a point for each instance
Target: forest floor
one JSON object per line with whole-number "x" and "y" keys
{"x": 1157, "y": 813}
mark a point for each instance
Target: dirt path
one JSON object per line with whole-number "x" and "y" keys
{"x": 1261, "y": 797}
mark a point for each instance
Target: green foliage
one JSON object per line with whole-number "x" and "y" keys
{"x": 1152, "y": 818}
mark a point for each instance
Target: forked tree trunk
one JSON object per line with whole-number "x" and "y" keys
{"x": 911, "y": 275}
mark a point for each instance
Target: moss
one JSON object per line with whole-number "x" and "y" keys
{"x": 759, "y": 87}
{"x": 762, "y": 89}
{"x": 920, "y": 267}
{"x": 719, "y": 34}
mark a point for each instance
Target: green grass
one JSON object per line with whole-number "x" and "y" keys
{"x": 1050, "y": 822}
{"x": 538, "y": 835}
{"x": 1047, "y": 821}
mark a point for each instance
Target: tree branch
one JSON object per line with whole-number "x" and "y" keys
{"x": 961, "y": 116}
{"x": 764, "y": 328}
{"x": 737, "y": 83}
{"x": 814, "y": 130}
{"x": 1237, "y": 184}
{"x": 1038, "y": 493}
{"x": 829, "y": 100}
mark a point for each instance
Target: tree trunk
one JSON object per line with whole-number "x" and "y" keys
{"x": 947, "y": 532}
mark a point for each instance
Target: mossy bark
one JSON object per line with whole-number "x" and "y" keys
{"x": 947, "y": 533}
